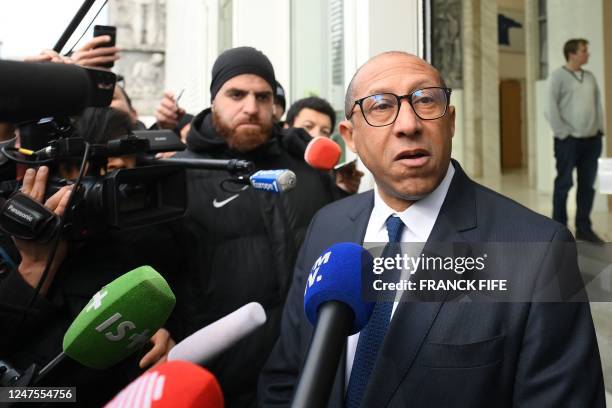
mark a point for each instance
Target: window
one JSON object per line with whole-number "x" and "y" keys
{"x": 543, "y": 39}
{"x": 225, "y": 25}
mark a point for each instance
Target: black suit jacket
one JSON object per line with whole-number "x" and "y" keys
{"x": 450, "y": 354}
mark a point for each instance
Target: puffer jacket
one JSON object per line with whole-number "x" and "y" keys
{"x": 241, "y": 247}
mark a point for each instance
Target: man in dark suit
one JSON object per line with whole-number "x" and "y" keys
{"x": 434, "y": 354}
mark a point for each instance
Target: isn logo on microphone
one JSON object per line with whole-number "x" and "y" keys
{"x": 123, "y": 326}
{"x": 314, "y": 275}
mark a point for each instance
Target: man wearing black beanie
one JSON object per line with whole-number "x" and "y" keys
{"x": 241, "y": 246}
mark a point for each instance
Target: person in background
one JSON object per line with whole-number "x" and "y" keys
{"x": 7, "y": 131}
{"x": 313, "y": 114}
{"x": 169, "y": 115}
{"x": 121, "y": 101}
{"x": 576, "y": 117}
{"x": 280, "y": 102}
{"x": 79, "y": 270}
{"x": 317, "y": 117}
{"x": 240, "y": 245}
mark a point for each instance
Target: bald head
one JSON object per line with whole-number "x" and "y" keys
{"x": 373, "y": 64}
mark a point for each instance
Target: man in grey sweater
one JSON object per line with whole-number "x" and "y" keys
{"x": 576, "y": 117}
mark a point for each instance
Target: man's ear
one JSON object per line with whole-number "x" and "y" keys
{"x": 345, "y": 128}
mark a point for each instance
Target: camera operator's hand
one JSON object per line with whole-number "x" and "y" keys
{"x": 162, "y": 344}
{"x": 90, "y": 56}
{"x": 168, "y": 113}
{"x": 33, "y": 254}
{"x": 49, "y": 56}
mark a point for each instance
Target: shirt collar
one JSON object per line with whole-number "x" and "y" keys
{"x": 421, "y": 216}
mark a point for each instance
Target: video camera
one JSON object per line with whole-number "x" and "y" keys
{"x": 120, "y": 199}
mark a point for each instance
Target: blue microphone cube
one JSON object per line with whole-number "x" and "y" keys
{"x": 336, "y": 276}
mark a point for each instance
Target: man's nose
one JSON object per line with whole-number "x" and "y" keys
{"x": 250, "y": 105}
{"x": 407, "y": 122}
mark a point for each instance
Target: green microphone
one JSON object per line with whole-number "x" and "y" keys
{"x": 117, "y": 321}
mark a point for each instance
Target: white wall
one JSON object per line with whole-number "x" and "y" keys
{"x": 544, "y": 141}
{"x": 29, "y": 26}
{"x": 309, "y": 50}
{"x": 191, "y": 49}
{"x": 566, "y": 21}
{"x": 394, "y": 25}
{"x": 265, "y": 25}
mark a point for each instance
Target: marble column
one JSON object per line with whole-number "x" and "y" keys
{"x": 532, "y": 69}
{"x": 607, "y": 91}
{"x": 481, "y": 89}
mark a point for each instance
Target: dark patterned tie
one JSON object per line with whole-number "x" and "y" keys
{"x": 372, "y": 335}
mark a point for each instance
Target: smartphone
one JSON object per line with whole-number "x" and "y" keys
{"x": 346, "y": 165}
{"x": 110, "y": 31}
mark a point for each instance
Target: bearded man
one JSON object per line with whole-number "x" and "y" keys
{"x": 241, "y": 246}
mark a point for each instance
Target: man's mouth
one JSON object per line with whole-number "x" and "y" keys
{"x": 249, "y": 124}
{"x": 413, "y": 157}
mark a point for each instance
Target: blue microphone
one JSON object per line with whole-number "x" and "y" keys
{"x": 334, "y": 306}
{"x": 275, "y": 181}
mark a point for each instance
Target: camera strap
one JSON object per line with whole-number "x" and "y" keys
{"x": 24, "y": 218}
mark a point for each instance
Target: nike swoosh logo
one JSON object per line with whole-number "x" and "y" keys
{"x": 219, "y": 204}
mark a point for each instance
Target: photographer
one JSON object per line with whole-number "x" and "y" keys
{"x": 78, "y": 271}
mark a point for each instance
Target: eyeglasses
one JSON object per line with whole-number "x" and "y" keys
{"x": 382, "y": 109}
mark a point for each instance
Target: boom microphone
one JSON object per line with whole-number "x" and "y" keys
{"x": 174, "y": 384}
{"x": 333, "y": 304}
{"x": 207, "y": 343}
{"x": 322, "y": 153}
{"x": 31, "y": 90}
{"x": 232, "y": 165}
{"x": 117, "y": 321}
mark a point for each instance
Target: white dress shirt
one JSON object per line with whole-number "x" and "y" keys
{"x": 418, "y": 220}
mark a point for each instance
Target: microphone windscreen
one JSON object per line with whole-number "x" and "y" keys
{"x": 31, "y": 90}
{"x": 121, "y": 317}
{"x": 208, "y": 342}
{"x": 174, "y": 384}
{"x": 336, "y": 276}
{"x": 322, "y": 153}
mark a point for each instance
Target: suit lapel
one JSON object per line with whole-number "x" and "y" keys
{"x": 413, "y": 320}
{"x": 358, "y": 216}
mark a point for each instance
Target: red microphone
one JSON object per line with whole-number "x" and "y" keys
{"x": 322, "y": 153}
{"x": 174, "y": 384}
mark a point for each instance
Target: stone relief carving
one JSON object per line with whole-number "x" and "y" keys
{"x": 446, "y": 42}
{"x": 141, "y": 35}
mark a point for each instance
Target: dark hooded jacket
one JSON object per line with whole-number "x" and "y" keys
{"x": 241, "y": 246}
